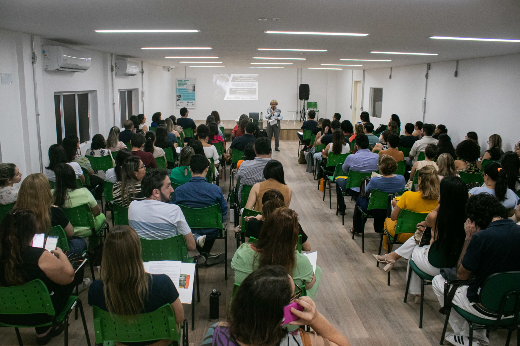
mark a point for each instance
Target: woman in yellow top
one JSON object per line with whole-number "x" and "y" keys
{"x": 423, "y": 201}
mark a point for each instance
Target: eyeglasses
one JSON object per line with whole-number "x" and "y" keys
{"x": 298, "y": 293}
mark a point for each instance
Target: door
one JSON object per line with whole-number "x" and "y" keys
{"x": 356, "y": 102}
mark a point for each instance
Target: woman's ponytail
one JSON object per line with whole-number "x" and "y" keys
{"x": 148, "y": 145}
{"x": 499, "y": 175}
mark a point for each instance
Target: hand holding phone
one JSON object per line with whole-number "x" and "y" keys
{"x": 308, "y": 315}
{"x": 38, "y": 240}
{"x": 288, "y": 316}
{"x": 51, "y": 243}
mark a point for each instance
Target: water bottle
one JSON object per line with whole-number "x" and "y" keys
{"x": 214, "y": 305}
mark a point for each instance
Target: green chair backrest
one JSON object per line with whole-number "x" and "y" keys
{"x": 156, "y": 325}
{"x": 312, "y": 105}
{"x": 108, "y": 187}
{"x": 406, "y": 151}
{"x": 153, "y": 129}
{"x": 87, "y": 177}
{"x": 63, "y": 243}
{"x": 401, "y": 168}
{"x": 338, "y": 171}
{"x": 246, "y": 213}
{"x": 114, "y": 154}
{"x": 236, "y": 155}
{"x": 80, "y": 216}
{"x": 334, "y": 160}
{"x": 313, "y": 139}
{"x": 354, "y": 178}
{"x": 498, "y": 292}
{"x": 79, "y": 183}
{"x": 180, "y": 142}
{"x": 5, "y": 209}
{"x": 211, "y": 170}
{"x": 120, "y": 215}
{"x": 307, "y": 134}
{"x": 169, "y": 155}
{"x": 223, "y": 130}
{"x": 353, "y": 145}
{"x": 471, "y": 178}
{"x": 188, "y": 132}
{"x": 319, "y": 148}
{"x": 378, "y": 200}
{"x": 244, "y": 195}
{"x": 220, "y": 148}
{"x": 207, "y": 217}
{"x": 53, "y": 184}
{"x": 421, "y": 156}
{"x": 29, "y": 298}
{"x": 407, "y": 221}
{"x": 169, "y": 249}
{"x": 103, "y": 163}
{"x": 485, "y": 163}
{"x": 128, "y": 145}
{"x": 416, "y": 177}
{"x": 160, "y": 161}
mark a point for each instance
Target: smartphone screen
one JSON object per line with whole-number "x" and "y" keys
{"x": 51, "y": 242}
{"x": 38, "y": 240}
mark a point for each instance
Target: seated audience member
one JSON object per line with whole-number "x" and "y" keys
{"x": 362, "y": 161}
{"x": 495, "y": 183}
{"x": 128, "y": 189}
{"x": 472, "y": 135}
{"x": 162, "y": 141}
{"x": 276, "y": 246}
{"x": 249, "y": 154}
{"x": 364, "y": 117}
{"x": 156, "y": 117}
{"x": 154, "y": 217}
{"x": 10, "y": 175}
{"x": 135, "y": 120}
{"x": 468, "y": 153}
{"x": 446, "y": 166}
{"x": 511, "y": 164}
{"x": 57, "y": 155}
{"x": 495, "y": 148}
{"x": 393, "y": 144}
{"x": 440, "y": 130}
{"x": 430, "y": 153}
{"x": 182, "y": 174}
{"x": 491, "y": 246}
{"x": 272, "y": 200}
{"x": 216, "y": 115}
{"x": 395, "y": 118}
{"x": 125, "y": 288}
{"x": 68, "y": 195}
{"x": 418, "y": 129}
{"x": 368, "y": 129}
{"x": 21, "y": 263}
{"x": 326, "y": 133}
{"x": 383, "y": 141}
{"x": 149, "y": 146}
{"x": 408, "y": 139}
{"x": 176, "y": 127}
{"x": 113, "y": 142}
{"x": 172, "y": 133}
{"x": 138, "y": 141}
{"x": 421, "y": 144}
{"x": 445, "y": 146}
{"x": 336, "y": 116}
{"x": 310, "y": 124}
{"x": 186, "y": 123}
{"x": 388, "y": 183}
{"x": 337, "y": 146}
{"x": 142, "y": 123}
{"x": 197, "y": 193}
{"x": 423, "y": 201}
{"x": 359, "y": 130}
{"x": 71, "y": 145}
{"x": 348, "y": 129}
{"x": 35, "y": 195}
{"x": 274, "y": 179}
{"x": 240, "y": 128}
{"x": 197, "y": 147}
{"x": 114, "y": 174}
{"x": 239, "y": 143}
{"x": 257, "y": 321}
{"x": 393, "y": 128}
{"x": 214, "y": 136}
{"x": 209, "y": 150}
{"x": 252, "y": 172}
{"x": 98, "y": 148}
{"x": 445, "y": 224}
{"x": 129, "y": 131}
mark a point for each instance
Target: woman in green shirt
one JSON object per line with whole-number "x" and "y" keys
{"x": 182, "y": 174}
{"x": 276, "y": 246}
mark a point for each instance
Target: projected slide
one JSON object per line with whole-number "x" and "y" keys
{"x": 231, "y": 87}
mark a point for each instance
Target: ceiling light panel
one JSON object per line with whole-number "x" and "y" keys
{"x": 474, "y": 39}
{"x": 144, "y": 31}
{"x": 205, "y": 66}
{"x": 315, "y": 33}
{"x": 191, "y": 57}
{"x": 338, "y": 65}
{"x": 403, "y": 53}
{"x": 271, "y": 63}
{"x": 272, "y": 58}
{"x": 182, "y": 48}
{"x": 200, "y": 62}
{"x": 362, "y": 60}
{"x": 266, "y": 67}
{"x": 294, "y": 49}
{"x": 324, "y": 68}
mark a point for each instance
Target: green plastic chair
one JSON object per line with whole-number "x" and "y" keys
{"x": 161, "y": 162}
{"x": 244, "y": 195}
{"x": 220, "y": 148}
{"x": 153, "y": 129}
{"x": 313, "y": 139}
{"x": 401, "y": 168}
{"x": 406, "y": 151}
{"x": 128, "y": 145}
{"x": 33, "y": 298}
{"x": 416, "y": 177}
{"x": 120, "y": 215}
{"x": 307, "y": 134}
{"x": 315, "y": 166}
{"x": 210, "y": 176}
{"x": 421, "y": 156}
{"x": 353, "y": 145}
{"x": 180, "y": 142}
{"x": 87, "y": 178}
{"x": 101, "y": 163}
{"x": 207, "y": 217}
{"x": 485, "y": 163}
{"x": 5, "y": 209}
{"x": 500, "y": 294}
{"x": 335, "y": 161}
{"x": 246, "y": 213}
{"x": 236, "y": 155}
{"x": 471, "y": 178}
{"x": 114, "y": 154}
{"x": 168, "y": 152}
{"x": 439, "y": 258}
{"x": 223, "y": 130}
{"x": 353, "y": 180}
{"x": 188, "y": 132}
{"x": 63, "y": 243}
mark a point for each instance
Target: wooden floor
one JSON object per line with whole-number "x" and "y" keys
{"x": 353, "y": 294}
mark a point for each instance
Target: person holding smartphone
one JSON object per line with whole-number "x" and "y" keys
{"x": 17, "y": 230}
{"x": 273, "y": 115}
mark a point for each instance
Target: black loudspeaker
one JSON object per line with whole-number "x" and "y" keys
{"x": 304, "y": 92}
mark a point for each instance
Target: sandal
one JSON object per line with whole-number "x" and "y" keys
{"x": 389, "y": 265}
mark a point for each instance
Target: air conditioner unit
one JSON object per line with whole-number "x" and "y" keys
{"x": 126, "y": 68}
{"x": 58, "y": 58}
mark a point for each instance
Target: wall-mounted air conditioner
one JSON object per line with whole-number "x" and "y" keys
{"x": 126, "y": 68}
{"x": 58, "y": 58}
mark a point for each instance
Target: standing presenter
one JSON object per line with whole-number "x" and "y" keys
{"x": 273, "y": 116}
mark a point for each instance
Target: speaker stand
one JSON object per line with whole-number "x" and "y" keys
{"x": 303, "y": 112}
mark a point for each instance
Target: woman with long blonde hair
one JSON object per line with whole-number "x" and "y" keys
{"x": 125, "y": 289}
{"x": 113, "y": 142}
{"x": 35, "y": 195}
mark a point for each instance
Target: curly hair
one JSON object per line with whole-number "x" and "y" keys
{"x": 482, "y": 208}
{"x": 468, "y": 150}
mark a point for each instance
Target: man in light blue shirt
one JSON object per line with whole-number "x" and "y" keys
{"x": 362, "y": 161}
{"x": 273, "y": 115}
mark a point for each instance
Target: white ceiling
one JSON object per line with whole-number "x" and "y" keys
{"x": 232, "y": 27}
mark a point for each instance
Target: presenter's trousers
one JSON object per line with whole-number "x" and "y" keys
{"x": 276, "y": 130}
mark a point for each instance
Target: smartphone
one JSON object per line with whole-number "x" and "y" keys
{"x": 51, "y": 243}
{"x": 288, "y": 316}
{"x": 38, "y": 240}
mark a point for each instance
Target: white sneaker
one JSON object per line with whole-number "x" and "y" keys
{"x": 459, "y": 340}
{"x": 201, "y": 241}
{"x": 83, "y": 286}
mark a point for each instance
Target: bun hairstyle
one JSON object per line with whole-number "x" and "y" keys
{"x": 148, "y": 145}
{"x": 496, "y": 173}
